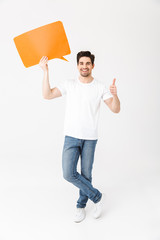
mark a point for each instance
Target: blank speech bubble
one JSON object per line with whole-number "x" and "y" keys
{"x": 49, "y": 40}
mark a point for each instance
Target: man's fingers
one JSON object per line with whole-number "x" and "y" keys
{"x": 44, "y": 61}
{"x": 44, "y": 58}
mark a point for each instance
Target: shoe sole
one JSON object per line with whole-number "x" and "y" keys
{"x": 80, "y": 220}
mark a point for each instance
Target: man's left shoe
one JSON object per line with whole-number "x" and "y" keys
{"x": 79, "y": 215}
{"x": 98, "y": 207}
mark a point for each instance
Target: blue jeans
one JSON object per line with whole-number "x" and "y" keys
{"x": 72, "y": 149}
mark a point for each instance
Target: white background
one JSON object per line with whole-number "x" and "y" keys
{"x": 35, "y": 201}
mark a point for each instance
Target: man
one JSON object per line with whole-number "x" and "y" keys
{"x": 84, "y": 96}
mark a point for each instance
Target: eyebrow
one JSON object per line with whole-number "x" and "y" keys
{"x": 86, "y": 62}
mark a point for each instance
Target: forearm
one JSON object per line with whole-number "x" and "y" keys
{"x": 115, "y": 104}
{"x": 46, "y": 90}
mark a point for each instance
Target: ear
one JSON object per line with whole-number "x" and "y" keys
{"x": 93, "y": 66}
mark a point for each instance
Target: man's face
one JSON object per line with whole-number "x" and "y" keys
{"x": 85, "y": 66}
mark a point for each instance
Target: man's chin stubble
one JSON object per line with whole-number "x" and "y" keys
{"x": 84, "y": 75}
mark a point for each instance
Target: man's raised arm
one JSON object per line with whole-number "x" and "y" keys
{"x": 47, "y": 92}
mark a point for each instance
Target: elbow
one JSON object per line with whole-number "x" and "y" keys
{"x": 117, "y": 111}
{"x": 46, "y": 97}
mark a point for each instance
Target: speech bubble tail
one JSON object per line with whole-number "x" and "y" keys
{"x": 64, "y": 59}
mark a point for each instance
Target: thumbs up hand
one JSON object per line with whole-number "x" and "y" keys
{"x": 113, "y": 88}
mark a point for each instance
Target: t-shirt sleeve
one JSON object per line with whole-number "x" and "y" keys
{"x": 106, "y": 93}
{"x": 62, "y": 86}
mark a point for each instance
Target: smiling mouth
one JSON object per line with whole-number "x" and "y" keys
{"x": 84, "y": 70}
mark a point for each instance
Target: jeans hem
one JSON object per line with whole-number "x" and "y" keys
{"x": 80, "y": 207}
{"x": 99, "y": 198}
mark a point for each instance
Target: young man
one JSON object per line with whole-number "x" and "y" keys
{"x": 84, "y": 95}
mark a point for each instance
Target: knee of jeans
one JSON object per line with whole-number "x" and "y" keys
{"x": 68, "y": 176}
{"x": 86, "y": 174}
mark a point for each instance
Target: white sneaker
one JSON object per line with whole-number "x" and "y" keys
{"x": 80, "y": 214}
{"x": 98, "y": 207}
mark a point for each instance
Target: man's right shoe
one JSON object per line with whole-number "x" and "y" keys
{"x": 99, "y": 207}
{"x": 79, "y": 215}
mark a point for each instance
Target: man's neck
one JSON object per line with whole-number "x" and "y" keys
{"x": 86, "y": 79}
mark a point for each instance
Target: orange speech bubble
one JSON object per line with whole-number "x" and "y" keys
{"x": 49, "y": 40}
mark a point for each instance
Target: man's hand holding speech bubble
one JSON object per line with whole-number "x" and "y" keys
{"x": 43, "y": 63}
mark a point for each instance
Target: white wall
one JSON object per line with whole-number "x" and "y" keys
{"x": 124, "y": 36}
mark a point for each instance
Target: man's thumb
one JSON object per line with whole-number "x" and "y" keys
{"x": 114, "y": 81}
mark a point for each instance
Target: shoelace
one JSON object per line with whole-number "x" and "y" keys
{"x": 79, "y": 210}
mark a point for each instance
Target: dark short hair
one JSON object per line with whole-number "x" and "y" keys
{"x": 85, "y": 54}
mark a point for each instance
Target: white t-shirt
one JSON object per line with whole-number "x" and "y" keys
{"x": 83, "y": 107}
